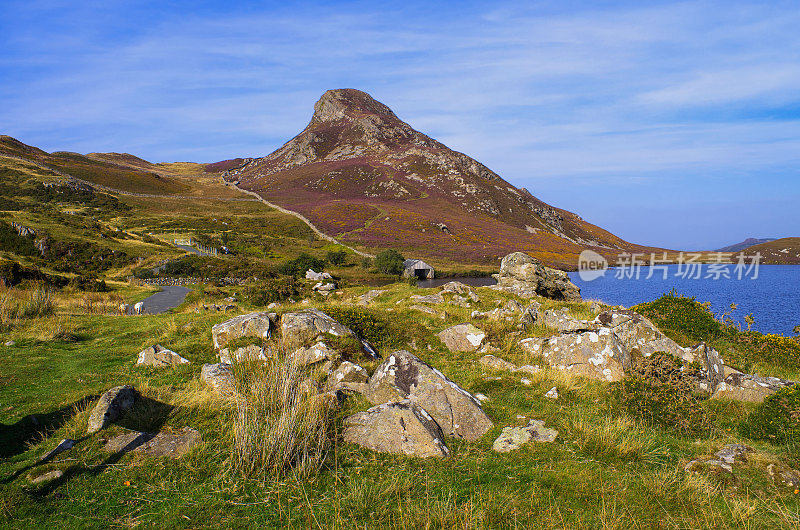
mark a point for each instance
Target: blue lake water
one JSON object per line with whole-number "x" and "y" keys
{"x": 773, "y": 297}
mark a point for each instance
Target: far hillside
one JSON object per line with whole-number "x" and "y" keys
{"x": 784, "y": 251}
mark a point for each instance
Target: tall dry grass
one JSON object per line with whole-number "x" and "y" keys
{"x": 18, "y": 304}
{"x": 282, "y": 424}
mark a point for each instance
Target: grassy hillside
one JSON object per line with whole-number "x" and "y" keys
{"x": 784, "y": 251}
{"x": 607, "y": 468}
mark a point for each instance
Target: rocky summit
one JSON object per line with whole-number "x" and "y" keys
{"x": 362, "y": 174}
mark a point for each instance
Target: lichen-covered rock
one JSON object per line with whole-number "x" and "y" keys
{"x": 428, "y": 298}
{"x": 169, "y": 444}
{"x": 368, "y": 297}
{"x": 746, "y": 387}
{"x": 525, "y": 276}
{"x": 314, "y": 353}
{"x": 530, "y": 314}
{"x": 111, "y": 406}
{"x": 347, "y": 373}
{"x": 401, "y": 427}
{"x": 593, "y": 354}
{"x": 257, "y": 324}
{"x": 302, "y": 328}
{"x": 404, "y": 376}
{"x": 512, "y": 438}
{"x": 784, "y": 476}
{"x": 636, "y": 332}
{"x": 712, "y": 365}
{"x": 251, "y": 352}
{"x": 462, "y": 337}
{"x": 496, "y": 363}
{"x": 563, "y": 321}
{"x": 158, "y": 355}
{"x": 218, "y": 376}
{"x": 461, "y": 289}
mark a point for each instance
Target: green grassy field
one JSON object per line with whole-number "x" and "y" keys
{"x": 606, "y": 469}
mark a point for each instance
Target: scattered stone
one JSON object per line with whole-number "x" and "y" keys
{"x": 347, "y": 372}
{"x": 784, "y": 476}
{"x": 219, "y": 307}
{"x": 525, "y": 276}
{"x": 529, "y": 369}
{"x": 512, "y": 438}
{"x": 404, "y": 376}
{"x": 496, "y": 363}
{"x": 158, "y": 355}
{"x": 552, "y": 393}
{"x": 530, "y": 315}
{"x": 302, "y": 328}
{"x": 252, "y": 352}
{"x": 746, "y": 387}
{"x": 592, "y": 354}
{"x": 481, "y": 397}
{"x": 368, "y": 297}
{"x": 219, "y": 376}
{"x": 697, "y": 466}
{"x": 64, "y": 445}
{"x": 315, "y": 353}
{"x": 526, "y": 382}
{"x": 111, "y": 406}
{"x": 428, "y": 298}
{"x": 733, "y": 453}
{"x": 10, "y": 343}
{"x": 402, "y": 428}
{"x": 46, "y": 477}
{"x": 317, "y": 276}
{"x": 170, "y": 444}
{"x": 257, "y": 324}
{"x": 428, "y": 310}
{"x": 325, "y": 288}
{"x": 462, "y": 337}
{"x": 461, "y": 289}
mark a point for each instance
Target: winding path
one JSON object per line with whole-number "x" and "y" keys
{"x": 170, "y": 296}
{"x": 303, "y": 218}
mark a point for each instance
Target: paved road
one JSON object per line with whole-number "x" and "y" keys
{"x": 170, "y": 296}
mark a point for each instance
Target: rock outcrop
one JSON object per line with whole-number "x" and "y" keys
{"x": 169, "y": 444}
{"x": 512, "y": 438}
{"x": 404, "y": 376}
{"x": 257, "y": 324}
{"x": 525, "y": 276}
{"x": 159, "y": 356}
{"x": 462, "y": 337}
{"x": 746, "y": 387}
{"x": 401, "y": 427}
{"x": 218, "y": 376}
{"x": 302, "y": 328}
{"x": 111, "y": 406}
{"x": 636, "y": 332}
{"x": 593, "y": 354}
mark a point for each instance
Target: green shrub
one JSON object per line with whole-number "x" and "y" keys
{"x": 660, "y": 391}
{"x": 336, "y": 257}
{"x": 299, "y": 265}
{"x": 776, "y": 419}
{"x": 389, "y": 262}
{"x": 273, "y": 290}
{"x": 366, "y": 263}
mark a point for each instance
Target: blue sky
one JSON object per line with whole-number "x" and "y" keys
{"x": 673, "y": 124}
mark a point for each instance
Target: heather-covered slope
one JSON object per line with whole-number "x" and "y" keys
{"x": 784, "y": 251}
{"x": 362, "y": 174}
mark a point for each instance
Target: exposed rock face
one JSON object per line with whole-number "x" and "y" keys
{"x": 302, "y": 328}
{"x": 428, "y": 298}
{"x": 496, "y": 363}
{"x": 746, "y": 387}
{"x": 345, "y": 374}
{"x": 256, "y": 324}
{"x": 562, "y": 320}
{"x": 592, "y": 354}
{"x": 368, "y": 297}
{"x": 636, "y": 332}
{"x": 404, "y": 376}
{"x": 512, "y": 438}
{"x": 723, "y": 460}
{"x": 46, "y": 477}
{"x": 462, "y": 337}
{"x": 169, "y": 444}
{"x": 461, "y": 289}
{"x": 219, "y": 376}
{"x": 111, "y": 406}
{"x": 158, "y": 355}
{"x": 784, "y": 476}
{"x": 402, "y": 427}
{"x": 252, "y": 352}
{"x": 315, "y": 353}
{"x": 712, "y": 364}
{"x": 525, "y": 276}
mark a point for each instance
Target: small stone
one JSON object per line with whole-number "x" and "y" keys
{"x": 159, "y": 356}
{"x": 111, "y": 406}
{"x": 218, "y": 376}
{"x": 462, "y": 337}
{"x": 46, "y": 477}
{"x": 64, "y": 445}
{"x": 529, "y": 369}
{"x": 10, "y": 343}
{"x": 481, "y": 397}
{"x": 552, "y": 393}
{"x": 527, "y": 382}
{"x": 512, "y": 438}
{"x": 496, "y": 363}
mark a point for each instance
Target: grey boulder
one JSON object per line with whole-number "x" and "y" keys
{"x": 257, "y": 324}
{"x": 111, "y": 406}
{"x": 462, "y": 337}
{"x": 512, "y": 438}
{"x": 158, "y": 355}
{"x": 302, "y": 328}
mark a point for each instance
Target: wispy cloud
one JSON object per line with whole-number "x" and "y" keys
{"x": 557, "y": 97}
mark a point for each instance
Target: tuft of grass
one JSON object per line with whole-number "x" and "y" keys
{"x": 616, "y": 437}
{"x": 282, "y": 424}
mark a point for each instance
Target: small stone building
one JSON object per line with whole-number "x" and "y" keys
{"x": 417, "y": 268}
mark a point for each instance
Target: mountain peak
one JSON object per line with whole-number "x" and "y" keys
{"x": 341, "y": 103}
